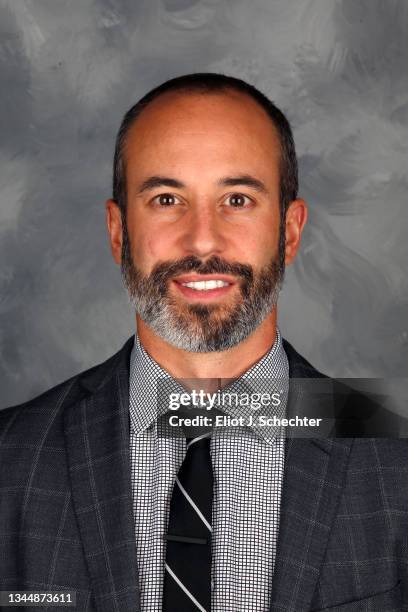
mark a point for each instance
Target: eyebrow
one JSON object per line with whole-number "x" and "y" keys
{"x": 246, "y": 180}
{"x": 160, "y": 181}
{"x": 152, "y": 182}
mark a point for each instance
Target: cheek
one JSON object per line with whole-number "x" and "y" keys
{"x": 257, "y": 254}
{"x": 257, "y": 247}
{"x": 151, "y": 248}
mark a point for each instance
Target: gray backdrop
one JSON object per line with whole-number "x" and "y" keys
{"x": 69, "y": 70}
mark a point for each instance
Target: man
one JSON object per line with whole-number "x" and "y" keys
{"x": 204, "y": 217}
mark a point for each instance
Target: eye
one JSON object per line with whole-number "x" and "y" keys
{"x": 166, "y": 199}
{"x": 238, "y": 200}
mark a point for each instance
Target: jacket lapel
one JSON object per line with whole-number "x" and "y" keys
{"x": 315, "y": 470}
{"x": 97, "y": 443}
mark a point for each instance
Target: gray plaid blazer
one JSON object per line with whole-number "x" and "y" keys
{"x": 66, "y": 519}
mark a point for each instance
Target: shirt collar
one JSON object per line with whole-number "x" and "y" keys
{"x": 269, "y": 374}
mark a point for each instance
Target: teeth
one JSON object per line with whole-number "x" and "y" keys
{"x": 205, "y": 285}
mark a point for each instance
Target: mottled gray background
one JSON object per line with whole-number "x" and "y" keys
{"x": 69, "y": 70}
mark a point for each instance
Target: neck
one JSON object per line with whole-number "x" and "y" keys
{"x": 229, "y": 364}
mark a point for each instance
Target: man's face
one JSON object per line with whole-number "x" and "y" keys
{"x": 200, "y": 248}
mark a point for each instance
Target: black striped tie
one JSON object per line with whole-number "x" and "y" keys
{"x": 187, "y": 579}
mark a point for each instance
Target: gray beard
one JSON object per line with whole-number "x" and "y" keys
{"x": 202, "y": 328}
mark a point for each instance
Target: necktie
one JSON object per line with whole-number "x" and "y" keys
{"x": 187, "y": 579}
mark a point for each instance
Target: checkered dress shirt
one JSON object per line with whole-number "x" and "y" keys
{"x": 248, "y": 474}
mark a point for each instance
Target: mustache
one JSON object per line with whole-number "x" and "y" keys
{"x": 164, "y": 271}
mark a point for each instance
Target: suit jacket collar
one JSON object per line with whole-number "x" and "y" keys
{"x": 96, "y": 428}
{"x": 315, "y": 471}
{"x": 97, "y": 442}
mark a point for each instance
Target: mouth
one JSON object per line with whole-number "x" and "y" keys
{"x": 204, "y": 286}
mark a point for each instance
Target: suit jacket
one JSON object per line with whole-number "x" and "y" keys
{"x": 66, "y": 518}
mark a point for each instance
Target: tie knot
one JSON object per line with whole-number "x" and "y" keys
{"x": 188, "y": 422}
{"x": 195, "y": 422}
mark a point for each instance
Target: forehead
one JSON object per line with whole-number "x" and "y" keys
{"x": 211, "y": 128}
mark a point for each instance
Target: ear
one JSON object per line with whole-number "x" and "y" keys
{"x": 114, "y": 223}
{"x": 296, "y": 217}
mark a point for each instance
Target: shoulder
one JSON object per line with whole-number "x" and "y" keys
{"x": 34, "y": 418}
{"x": 357, "y": 414}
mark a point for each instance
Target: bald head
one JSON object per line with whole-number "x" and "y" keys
{"x": 216, "y": 86}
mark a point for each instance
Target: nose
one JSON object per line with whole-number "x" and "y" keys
{"x": 202, "y": 234}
